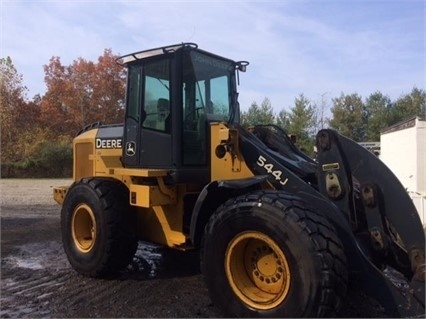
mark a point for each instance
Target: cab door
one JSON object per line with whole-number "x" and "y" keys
{"x": 147, "y": 136}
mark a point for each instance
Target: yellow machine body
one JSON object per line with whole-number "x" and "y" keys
{"x": 159, "y": 207}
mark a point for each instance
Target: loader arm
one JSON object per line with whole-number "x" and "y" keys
{"x": 383, "y": 216}
{"x": 373, "y": 215}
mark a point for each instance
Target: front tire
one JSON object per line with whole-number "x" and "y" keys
{"x": 266, "y": 254}
{"x": 96, "y": 227}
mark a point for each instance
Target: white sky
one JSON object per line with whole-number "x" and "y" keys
{"x": 318, "y": 47}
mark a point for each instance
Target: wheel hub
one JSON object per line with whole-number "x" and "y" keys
{"x": 266, "y": 269}
{"x": 257, "y": 270}
{"x": 83, "y": 226}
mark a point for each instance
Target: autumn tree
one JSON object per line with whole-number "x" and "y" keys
{"x": 57, "y": 114}
{"x": 109, "y": 88}
{"x": 20, "y": 127}
{"x": 83, "y": 93}
{"x": 13, "y": 111}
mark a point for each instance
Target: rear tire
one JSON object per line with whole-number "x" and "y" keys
{"x": 97, "y": 231}
{"x": 266, "y": 254}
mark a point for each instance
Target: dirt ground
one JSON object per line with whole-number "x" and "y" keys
{"x": 38, "y": 282}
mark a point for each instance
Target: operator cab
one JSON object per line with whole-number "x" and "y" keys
{"x": 173, "y": 93}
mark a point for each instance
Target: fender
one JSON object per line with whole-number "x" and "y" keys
{"x": 213, "y": 195}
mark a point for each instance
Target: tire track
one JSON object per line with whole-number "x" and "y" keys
{"x": 38, "y": 282}
{"x": 30, "y": 297}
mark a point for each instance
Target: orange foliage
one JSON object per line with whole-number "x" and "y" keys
{"x": 82, "y": 93}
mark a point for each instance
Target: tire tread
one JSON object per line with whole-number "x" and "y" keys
{"x": 320, "y": 231}
{"x": 121, "y": 242}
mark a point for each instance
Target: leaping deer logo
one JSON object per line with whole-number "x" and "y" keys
{"x": 130, "y": 148}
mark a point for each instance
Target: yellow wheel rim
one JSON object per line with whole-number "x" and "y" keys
{"x": 257, "y": 270}
{"x": 83, "y": 228}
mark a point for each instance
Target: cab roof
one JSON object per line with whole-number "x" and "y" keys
{"x": 128, "y": 58}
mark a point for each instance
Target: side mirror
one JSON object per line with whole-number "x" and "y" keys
{"x": 242, "y": 66}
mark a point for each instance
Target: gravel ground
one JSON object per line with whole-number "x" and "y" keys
{"x": 37, "y": 281}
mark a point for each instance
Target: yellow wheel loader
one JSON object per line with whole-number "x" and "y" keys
{"x": 280, "y": 234}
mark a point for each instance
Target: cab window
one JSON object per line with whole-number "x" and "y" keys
{"x": 156, "y": 104}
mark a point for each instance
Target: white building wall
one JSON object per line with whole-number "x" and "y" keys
{"x": 404, "y": 152}
{"x": 398, "y": 152}
{"x": 421, "y": 156}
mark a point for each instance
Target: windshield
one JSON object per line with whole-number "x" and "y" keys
{"x": 207, "y": 86}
